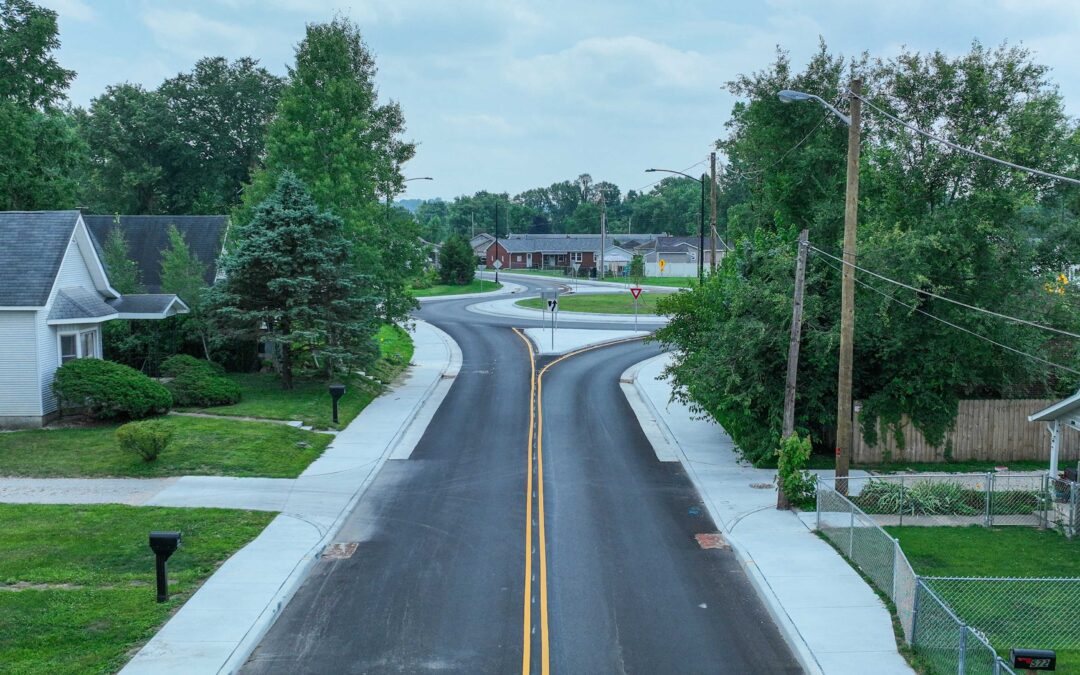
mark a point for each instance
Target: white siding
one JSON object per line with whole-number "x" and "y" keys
{"x": 20, "y": 392}
{"x": 73, "y": 272}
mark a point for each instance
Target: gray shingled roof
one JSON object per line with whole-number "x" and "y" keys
{"x": 143, "y": 303}
{"x": 32, "y": 246}
{"x": 78, "y": 303}
{"x": 147, "y": 238}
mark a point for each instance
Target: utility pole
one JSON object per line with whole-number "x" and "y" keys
{"x": 701, "y": 236}
{"x": 793, "y": 350}
{"x": 603, "y": 235}
{"x": 844, "y": 434}
{"x": 472, "y": 221}
{"x": 712, "y": 213}
{"x": 497, "y": 242}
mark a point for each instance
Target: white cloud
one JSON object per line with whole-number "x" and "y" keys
{"x": 190, "y": 34}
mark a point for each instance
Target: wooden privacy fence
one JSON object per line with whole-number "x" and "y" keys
{"x": 985, "y": 430}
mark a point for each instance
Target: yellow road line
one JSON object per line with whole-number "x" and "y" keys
{"x": 526, "y": 654}
{"x": 536, "y": 419}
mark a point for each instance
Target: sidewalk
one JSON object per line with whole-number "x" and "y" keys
{"x": 221, "y": 624}
{"x": 831, "y": 618}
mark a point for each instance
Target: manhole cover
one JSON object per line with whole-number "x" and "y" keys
{"x": 712, "y": 540}
{"x": 339, "y": 551}
{"x": 761, "y": 486}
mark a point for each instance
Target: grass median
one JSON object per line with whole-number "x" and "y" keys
{"x": 474, "y": 286}
{"x": 77, "y": 588}
{"x": 606, "y": 303}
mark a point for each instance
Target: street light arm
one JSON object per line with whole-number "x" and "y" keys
{"x": 678, "y": 173}
{"x": 788, "y": 95}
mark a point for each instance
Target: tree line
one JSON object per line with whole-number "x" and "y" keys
{"x": 302, "y": 164}
{"x": 936, "y": 219}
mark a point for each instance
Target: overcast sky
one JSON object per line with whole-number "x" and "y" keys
{"x": 505, "y": 95}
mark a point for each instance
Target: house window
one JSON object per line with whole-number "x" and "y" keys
{"x": 519, "y": 258}
{"x": 68, "y": 349}
{"x": 81, "y": 345}
{"x": 575, "y": 257}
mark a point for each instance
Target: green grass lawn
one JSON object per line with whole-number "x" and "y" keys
{"x": 977, "y": 551}
{"x": 539, "y": 273}
{"x": 613, "y": 303}
{"x": 474, "y": 286}
{"x": 87, "y": 577}
{"x": 309, "y": 400}
{"x": 680, "y": 282}
{"x": 200, "y": 446}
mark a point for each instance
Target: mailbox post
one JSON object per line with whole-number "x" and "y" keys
{"x": 1033, "y": 660}
{"x": 336, "y": 392}
{"x": 163, "y": 544}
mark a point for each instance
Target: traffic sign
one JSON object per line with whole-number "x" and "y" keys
{"x": 663, "y": 264}
{"x": 636, "y": 292}
{"x": 553, "y": 304}
{"x": 577, "y": 266}
{"x": 498, "y": 264}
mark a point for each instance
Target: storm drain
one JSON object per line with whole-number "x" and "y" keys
{"x": 339, "y": 551}
{"x": 712, "y": 540}
{"x": 761, "y": 486}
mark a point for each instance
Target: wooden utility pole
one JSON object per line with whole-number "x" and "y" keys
{"x": 712, "y": 216}
{"x": 793, "y": 350}
{"x": 844, "y": 434}
{"x": 603, "y": 235}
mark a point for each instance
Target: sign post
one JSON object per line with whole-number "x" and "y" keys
{"x": 577, "y": 266}
{"x": 636, "y": 292}
{"x": 551, "y": 300}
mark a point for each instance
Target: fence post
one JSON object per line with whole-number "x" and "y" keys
{"x": 901, "y": 500}
{"x": 895, "y": 564}
{"x": 817, "y": 502}
{"x": 851, "y": 535}
{"x": 1072, "y": 510}
{"x": 988, "y": 515}
{"x": 962, "y": 668}
{"x": 915, "y": 612}
{"x": 1048, "y": 500}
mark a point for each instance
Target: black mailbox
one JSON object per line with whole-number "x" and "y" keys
{"x": 336, "y": 392}
{"x": 1033, "y": 659}
{"x": 163, "y": 544}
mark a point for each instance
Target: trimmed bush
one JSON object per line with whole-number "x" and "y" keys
{"x": 176, "y": 365}
{"x": 108, "y": 390}
{"x": 195, "y": 388}
{"x": 797, "y": 484}
{"x": 147, "y": 439}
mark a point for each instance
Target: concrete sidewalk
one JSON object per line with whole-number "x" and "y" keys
{"x": 832, "y": 619}
{"x": 221, "y": 624}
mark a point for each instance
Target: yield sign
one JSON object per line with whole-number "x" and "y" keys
{"x": 636, "y": 292}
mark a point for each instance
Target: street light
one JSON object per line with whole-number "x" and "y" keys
{"x": 844, "y": 435}
{"x": 701, "y": 224}
{"x": 390, "y": 195}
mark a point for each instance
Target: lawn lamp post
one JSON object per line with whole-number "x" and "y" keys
{"x": 844, "y": 432}
{"x": 701, "y": 221}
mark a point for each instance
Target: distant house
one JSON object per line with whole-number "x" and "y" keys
{"x": 148, "y": 238}
{"x": 480, "y": 243}
{"x": 54, "y": 297}
{"x": 553, "y": 251}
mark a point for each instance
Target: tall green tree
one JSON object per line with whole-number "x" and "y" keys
{"x": 184, "y": 274}
{"x": 335, "y": 135}
{"x": 457, "y": 262}
{"x": 29, "y": 72}
{"x": 122, "y": 270}
{"x": 291, "y": 273}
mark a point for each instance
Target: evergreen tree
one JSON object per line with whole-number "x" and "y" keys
{"x": 185, "y": 275}
{"x": 292, "y": 271}
{"x": 122, "y": 270}
{"x": 457, "y": 261}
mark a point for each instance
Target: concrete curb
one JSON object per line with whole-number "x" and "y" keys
{"x": 507, "y": 309}
{"x": 432, "y": 399}
{"x": 508, "y": 288}
{"x": 603, "y": 284}
{"x": 629, "y": 380}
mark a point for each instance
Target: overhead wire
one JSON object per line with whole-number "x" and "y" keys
{"x": 960, "y": 148}
{"x": 931, "y": 294}
{"x": 953, "y": 325}
{"x": 658, "y": 180}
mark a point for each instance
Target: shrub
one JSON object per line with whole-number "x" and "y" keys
{"x": 109, "y": 390}
{"x": 178, "y": 364}
{"x": 200, "y": 388}
{"x": 148, "y": 439}
{"x": 919, "y": 498}
{"x": 796, "y": 483}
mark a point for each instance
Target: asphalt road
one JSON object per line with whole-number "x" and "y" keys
{"x": 462, "y": 568}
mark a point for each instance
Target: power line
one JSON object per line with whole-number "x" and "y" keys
{"x": 953, "y": 325}
{"x": 999, "y": 315}
{"x": 790, "y": 150}
{"x": 960, "y": 148}
{"x": 658, "y": 180}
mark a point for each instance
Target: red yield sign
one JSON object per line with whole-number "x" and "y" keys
{"x": 636, "y": 292}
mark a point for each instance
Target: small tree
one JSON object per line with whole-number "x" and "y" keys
{"x": 637, "y": 266}
{"x": 184, "y": 274}
{"x": 122, "y": 270}
{"x": 457, "y": 262}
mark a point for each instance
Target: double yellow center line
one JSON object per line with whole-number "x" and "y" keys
{"x": 536, "y": 461}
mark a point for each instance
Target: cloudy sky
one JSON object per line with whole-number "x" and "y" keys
{"x": 505, "y": 95}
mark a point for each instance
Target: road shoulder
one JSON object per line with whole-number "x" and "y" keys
{"x": 830, "y": 617}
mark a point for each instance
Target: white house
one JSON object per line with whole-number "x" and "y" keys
{"x": 54, "y": 296}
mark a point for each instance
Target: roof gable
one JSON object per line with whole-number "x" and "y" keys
{"x": 32, "y": 247}
{"x": 148, "y": 238}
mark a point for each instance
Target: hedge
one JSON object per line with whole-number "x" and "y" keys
{"x": 108, "y": 390}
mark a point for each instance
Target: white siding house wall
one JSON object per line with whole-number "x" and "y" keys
{"x": 672, "y": 269}
{"x": 20, "y": 393}
{"x": 73, "y": 272}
